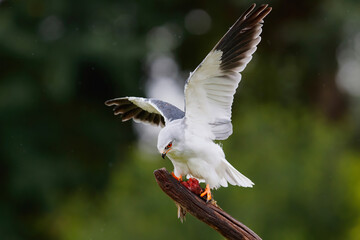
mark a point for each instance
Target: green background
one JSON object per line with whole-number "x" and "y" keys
{"x": 69, "y": 169}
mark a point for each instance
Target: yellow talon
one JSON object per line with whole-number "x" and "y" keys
{"x": 206, "y": 192}
{"x": 177, "y": 178}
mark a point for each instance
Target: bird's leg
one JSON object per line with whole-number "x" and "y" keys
{"x": 177, "y": 178}
{"x": 206, "y": 192}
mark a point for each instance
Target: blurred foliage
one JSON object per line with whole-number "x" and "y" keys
{"x": 70, "y": 170}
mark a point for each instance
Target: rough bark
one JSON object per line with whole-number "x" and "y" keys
{"x": 209, "y": 213}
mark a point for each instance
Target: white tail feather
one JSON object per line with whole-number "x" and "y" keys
{"x": 234, "y": 177}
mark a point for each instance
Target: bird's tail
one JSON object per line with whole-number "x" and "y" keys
{"x": 234, "y": 177}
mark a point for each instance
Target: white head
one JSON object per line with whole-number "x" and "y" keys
{"x": 169, "y": 139}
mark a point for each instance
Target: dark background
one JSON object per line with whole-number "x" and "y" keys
{"x": 69, "y": 169}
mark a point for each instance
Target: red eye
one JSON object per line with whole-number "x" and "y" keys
{"x": 169, "y": 145}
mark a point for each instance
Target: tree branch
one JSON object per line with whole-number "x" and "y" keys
{"x": 207, "y": 212}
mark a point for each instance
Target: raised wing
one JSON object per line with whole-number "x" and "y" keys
{"x": 145, "y": 110}
{"x": 210, "y": 89}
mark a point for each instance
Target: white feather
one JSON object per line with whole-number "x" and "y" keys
{"x": 209, "y": 95}
{"x": 198, "y": 157}
{"x": 145, "y": 104}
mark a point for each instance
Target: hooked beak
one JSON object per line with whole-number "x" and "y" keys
{"x": 163, "y": 155}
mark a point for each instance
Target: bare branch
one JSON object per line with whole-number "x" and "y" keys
{"x": 207, "y": 212}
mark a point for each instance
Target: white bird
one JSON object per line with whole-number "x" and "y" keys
{"x": 187, "y": 137}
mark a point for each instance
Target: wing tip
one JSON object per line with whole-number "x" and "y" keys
{"x": 130, "y": 108}
{"x": 261, "y": 11}
{"x": 109, "y": 102}
{"x": 116, "y": 101}
{"x": 242, "y": 37}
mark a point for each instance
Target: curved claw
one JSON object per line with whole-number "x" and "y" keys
{"x": 177, "y": 178}
{"x": 206, "y": 192}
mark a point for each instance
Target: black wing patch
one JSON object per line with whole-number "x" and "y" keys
{"x": 242, "y": 37}
{"x": 165, "y": 112}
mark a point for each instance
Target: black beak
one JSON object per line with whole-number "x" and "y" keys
{"x": 163, "y": 155}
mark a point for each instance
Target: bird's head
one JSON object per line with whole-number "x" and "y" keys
{"x": 168, "y": 140}
{"x": 166, "y": 150}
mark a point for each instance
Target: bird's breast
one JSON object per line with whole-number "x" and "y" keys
{"x": 179, "y": 155}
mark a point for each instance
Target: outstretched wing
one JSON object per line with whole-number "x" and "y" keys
{"x": 210, "y": 89}
{"x": 145, "y": 110}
